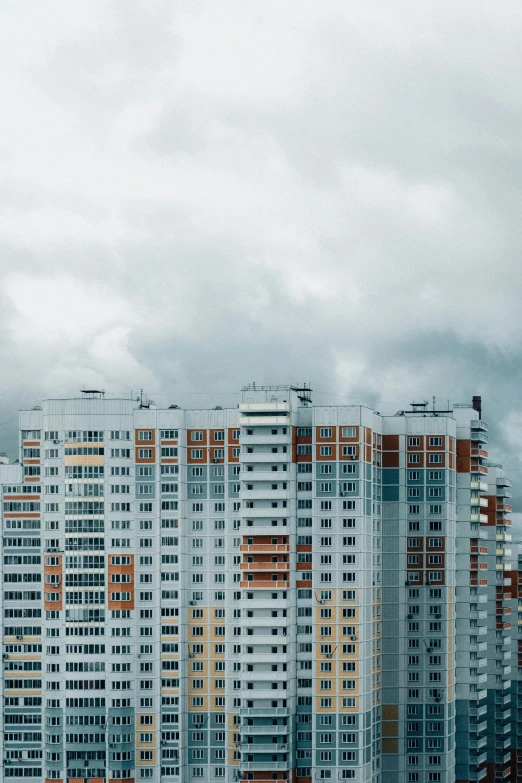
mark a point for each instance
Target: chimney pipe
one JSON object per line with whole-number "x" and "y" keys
{"x": 477, "y": 405}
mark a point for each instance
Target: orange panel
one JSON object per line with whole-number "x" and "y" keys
{"x": 145, "y": 443}
{"x": 231, "y": 438}
{"x": 194, "y": 444}
{"x": 420, "y": 447}
{"x": 197, "y": 460}
{"x": 123, "y": 587}
{"x": 320, "y": 458}
{"x": 343, "y": 439}
{"x": 330, "y": 439}
{"x": 231, "y": 457}
{"x": 146, "y": 460}
{"x": 54, "y": 571}
{"x": 390, "y": 442}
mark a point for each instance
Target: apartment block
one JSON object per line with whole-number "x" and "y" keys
{"x": 276, "y": 591}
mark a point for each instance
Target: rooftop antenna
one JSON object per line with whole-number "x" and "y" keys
{"x": 433, "y": 408}
{"x": 304, "y": 393}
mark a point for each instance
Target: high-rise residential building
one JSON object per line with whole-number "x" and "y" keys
{"x": 277, "y": 591}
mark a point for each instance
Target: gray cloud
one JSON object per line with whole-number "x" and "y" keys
{"x": 199, "y": 194}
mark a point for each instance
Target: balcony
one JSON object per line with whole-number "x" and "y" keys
{"x": 266, "y": 529}
{"x": 261, "y": 457}
{"x": 264, "y": 566}
{"x": 264, "y": 421}
{"x": 249, "y": 730}
{"x": 253, "y": 548}
{"x": 268, "y": 747}
{"x": 264, "y": 494}
{"x": 478, "y": 743}
{"x": 264, "y": 677}
{"x": 265, "y": 584}
{"x": 263, "y": 694}
{"x": 271, "y": 712}
{"x": 265, "y": 765}
{"x": 265, "y": 639}
{"x": 479, "y": 424}
{"x": 266, "y": 512}
{"x": 266, "y": 475}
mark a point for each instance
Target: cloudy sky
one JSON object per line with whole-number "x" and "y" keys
{"x": 196, "y": 194}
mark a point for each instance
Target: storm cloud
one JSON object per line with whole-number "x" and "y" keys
{"x": 196, "y": 194}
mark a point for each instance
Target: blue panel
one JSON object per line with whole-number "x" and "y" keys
{"x": 390, "y": 494}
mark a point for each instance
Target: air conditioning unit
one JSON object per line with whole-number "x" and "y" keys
{"x": 192, "y": 655}
{"x": 342, "y": 494}
{"x": 407, "y": 583}
{"x": 410, "y": 617}
{"x": 438, "y": 616}
{"x": 5, "y": 656}
{"x": 19, "y": 637}
{"x": 113, "y": 744}
{"x": 438, "y": 698}
{"x": 328, "y": 655}
{"x": 214, "y": 459}
{"x": 321, "y": 600}
{"x": 353, "y": 638}
{"x": 56, "y": 442}
{"x": 352, "y": 456}
{"x": 192, "y": 603}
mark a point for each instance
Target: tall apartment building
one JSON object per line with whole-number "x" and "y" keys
{"x": 277, "y": 591}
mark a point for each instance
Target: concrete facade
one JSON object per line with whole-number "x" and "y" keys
{"x": 277, "y": 591}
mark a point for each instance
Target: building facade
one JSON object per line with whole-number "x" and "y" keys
{"x": 277, "y": 591}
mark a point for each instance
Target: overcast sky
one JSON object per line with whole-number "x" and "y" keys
{"x": 195, "y": 195}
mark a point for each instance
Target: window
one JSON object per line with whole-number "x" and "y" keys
{"x": 196, "y": 453}
{"x": 145, "y": 435}
{"x": 325, "y": 432}
{"x": 145, "y": 453}
{"x": 436, "y": 441}
{"x": 435, "y": 492}
{"x": 169, "y": 434}
{"x": 414, "y": 442}
{"x": 349, "y": 432}
{"x": 435, "y": 459}
{"x": 325, "y": 451}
